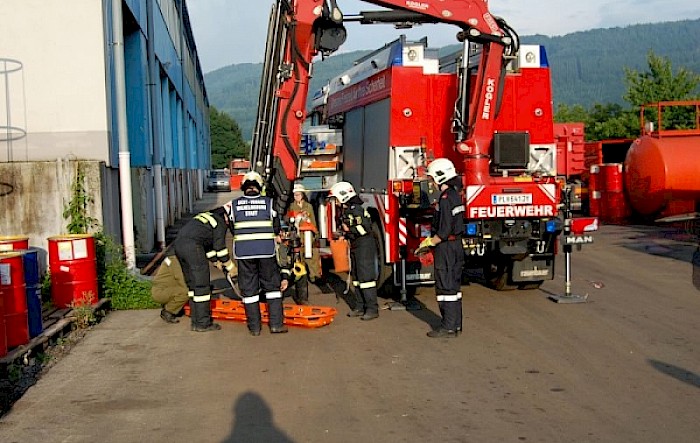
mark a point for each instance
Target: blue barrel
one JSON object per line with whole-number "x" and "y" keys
{"x": 32, "y": 278}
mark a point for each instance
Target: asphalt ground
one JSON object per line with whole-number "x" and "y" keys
{"x": 623, "y": 367}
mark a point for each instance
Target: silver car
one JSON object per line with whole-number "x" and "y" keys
{"x": 219, "y": 180}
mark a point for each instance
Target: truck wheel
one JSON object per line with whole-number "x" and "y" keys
{"x": 497, "y": 275}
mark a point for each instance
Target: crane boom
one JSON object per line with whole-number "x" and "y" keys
{"x": 301, "y": 29}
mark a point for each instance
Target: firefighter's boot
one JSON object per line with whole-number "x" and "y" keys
{"x": 276, "y": 311}
{"x": 201, "y": 317}
{"x": 369, "y": 295}
{"x": 168, "y": 317}
{"x": 252, "y": 316}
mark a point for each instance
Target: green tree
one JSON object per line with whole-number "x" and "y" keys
{"x": 568, "y": 114}
{"x": 660, "y": 84}
{"x": 609, "y": 121}
{"x": 226, "y": 140}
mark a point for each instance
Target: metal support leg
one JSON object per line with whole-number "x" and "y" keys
{"x": 404, "y": 304}
{"x": 568, "y": 297}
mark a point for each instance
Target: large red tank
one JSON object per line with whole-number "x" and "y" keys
{"x": 661, "y": 169}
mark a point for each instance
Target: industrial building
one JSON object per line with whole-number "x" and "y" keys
{"x": 107, "y": 96}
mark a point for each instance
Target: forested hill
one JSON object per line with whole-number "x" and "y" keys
{"x": 587, "y": 67}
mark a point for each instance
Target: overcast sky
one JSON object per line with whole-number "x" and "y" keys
{"x": 234, "y": 31}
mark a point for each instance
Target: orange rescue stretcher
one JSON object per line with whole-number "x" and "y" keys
{"x": 305, "y": 316}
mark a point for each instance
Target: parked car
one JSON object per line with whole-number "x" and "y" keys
{"x": 219, "y": 180}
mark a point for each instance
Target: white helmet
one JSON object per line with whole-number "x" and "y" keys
{"x": 442, "y": 170}
{"x": 298, "y": 187}
{"x": 252, "y": 178}
{"x": 343, "y": 191}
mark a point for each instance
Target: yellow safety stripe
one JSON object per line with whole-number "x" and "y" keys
{"x": 369, "y": 284}
{"x": 361, "y": 230}
{"x": 190, "y": 294}
{"x": 222, "y": 253}
{"x": 249, "y": 300}
{"x": 272, "y": 295}
{"x": 201, "y": 298}
{"x": 355, "y": 283}
{"x": 286, "y": 271}
{"x": 252, "y": 224}
{"x": 205, "y": 218}
{"x": 230, "y": 265}
{"x": 211, "y": 254}
{"x": 263, "y": 236}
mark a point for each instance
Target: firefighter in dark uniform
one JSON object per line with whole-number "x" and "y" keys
{"x": 357, "y": 228}
{"x": 200, "y": 241}
{"x": 256, "y": 228}
{"x": 448, "y": 227}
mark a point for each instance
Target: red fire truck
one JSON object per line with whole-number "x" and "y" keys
{"x": 488, "y": 109}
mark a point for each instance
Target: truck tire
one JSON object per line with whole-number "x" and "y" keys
{"x": 497, "y": 276}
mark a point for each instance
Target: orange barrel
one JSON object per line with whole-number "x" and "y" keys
{"x": 594, "y": 191}
{"x": 32, "y": 280}
{"x": 341, "y": 257}
{"x": 73, "y": 268}
{"x": 13, "y": 242}
{"x": 14, "y": 294}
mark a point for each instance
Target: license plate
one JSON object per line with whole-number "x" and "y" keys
{"x": 511, "y": 199}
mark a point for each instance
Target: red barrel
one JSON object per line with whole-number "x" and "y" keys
{"x": 613, "y": 204}
{"x": 73, "y": 269}
{"x": 614, "y": 207}
{"x": 13, "y": 291}
{"x": 594, "y": 191}
{"x": 611, "y": 177}
{"x": 13, "y": 242}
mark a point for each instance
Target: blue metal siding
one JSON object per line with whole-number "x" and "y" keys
{"x": 139, "y": 11}
{"x": 137, "y": 100}
{"x": 180, "y": 111}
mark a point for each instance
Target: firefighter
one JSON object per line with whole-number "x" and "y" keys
{"x": 447, "y": 229}
{"x": 169, "y": 288}
{"x": 301, "y": 214}
{"x": 256, "y": 229}
{"x": 357, "y": 228}
{"x": 200, "y": 241}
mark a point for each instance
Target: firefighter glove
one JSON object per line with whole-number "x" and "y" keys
{"x": 228, "y": 265}
{"x": 299, "y": 270}
{"x": 425, "y": 246}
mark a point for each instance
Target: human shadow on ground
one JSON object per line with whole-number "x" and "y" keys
{"x": 253, "y": 422}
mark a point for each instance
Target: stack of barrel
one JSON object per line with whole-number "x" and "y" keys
{"x": 607, "y": 199}
{"x": 20, "y": 293}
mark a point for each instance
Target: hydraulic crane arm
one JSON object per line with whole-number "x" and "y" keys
{"x": 301, "y": 29}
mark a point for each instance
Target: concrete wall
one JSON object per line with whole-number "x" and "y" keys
{"x": 33, "y": 196}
